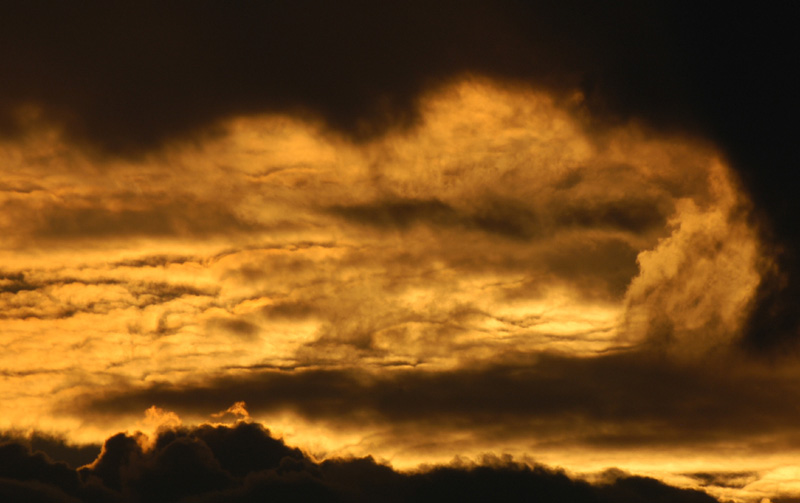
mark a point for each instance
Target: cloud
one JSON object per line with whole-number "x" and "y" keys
{"x": 503, "y": 218}
{"x": 607, "y": 402}
{"x": 116, "y": 82}
{"x": 735, "y": 480}
{"x": 56, "y": 448}
{"x": 695, "y": 289}
{"x": 55, "y": 296}
{"x": 190, "y": 70}
{"x": 469, "y": 278}
{"x": 501, "y": 212}
{"x": 145, "y": 218}
{"x": 509, "y": 218}
{"x": 33, "y": 477}
{"x": 245, "y": 463}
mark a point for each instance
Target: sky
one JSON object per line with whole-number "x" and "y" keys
{"x": 373, "y": 252}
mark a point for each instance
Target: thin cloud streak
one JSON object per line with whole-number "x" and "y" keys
{"x": 627, "y": 399}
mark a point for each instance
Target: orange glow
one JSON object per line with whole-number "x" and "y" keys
{"x": 498, "y": 227}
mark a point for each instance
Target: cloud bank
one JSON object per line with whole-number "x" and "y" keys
{"x": 245, "y": 463}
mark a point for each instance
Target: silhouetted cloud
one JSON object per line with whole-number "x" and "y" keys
{"x": 244, "y": 463}
{"x": 33, "y": 477}
{"x": 56, "y": 448}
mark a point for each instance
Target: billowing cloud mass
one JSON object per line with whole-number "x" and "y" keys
{"x": 243, "y": 463}
{"x": 509, "y": 235}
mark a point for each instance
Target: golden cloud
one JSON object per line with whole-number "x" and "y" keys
{"x": 502, "y": 227}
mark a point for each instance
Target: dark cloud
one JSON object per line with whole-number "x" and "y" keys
{"x": 131, "y": 76}
{"x": 33, "y": 477}
{"x": 155, "y": 261}
{"x": 43, "y": 304}
{"x": 400, "y": 213}
{"x": 15, "y": 282}
{"x": 57, "y": 449}
{"x": 244, "y": 463}
{"x": 499, "y": 217}
{"x": 509, "y": 218}
{"x": 182, "y": 467}
{"x": 587, "y": 229}
{"x": 642, "y": 489}
{"x": 290, "y": 311}
{"x": 612, "y": 400}
{"x": 178, "y": 216}
{"x": 628, "y": 215}
{"x": 33, "y": 491}
{"x": 605, "y": 265}
{"x": 30, "y": 372}
{"x": 240, "y": 328}
{"x": 19, "y": 187}
{"x": 736, "y": 480}
{"x": 153, "y": 292}
{"x": 127, "y": 81}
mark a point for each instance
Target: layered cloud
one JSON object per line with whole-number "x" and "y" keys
{"x": 501, "y": 277}
{"x": 402, "y": 231}
{"x": 117, "y": 83}
{"x": 379, "y": 251}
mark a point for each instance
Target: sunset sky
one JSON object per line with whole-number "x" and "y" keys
{"x": 558, "y": 243}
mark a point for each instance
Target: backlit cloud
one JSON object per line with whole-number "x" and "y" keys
{"x": 560, "y": 233}
{"x": 245, "y": 463}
